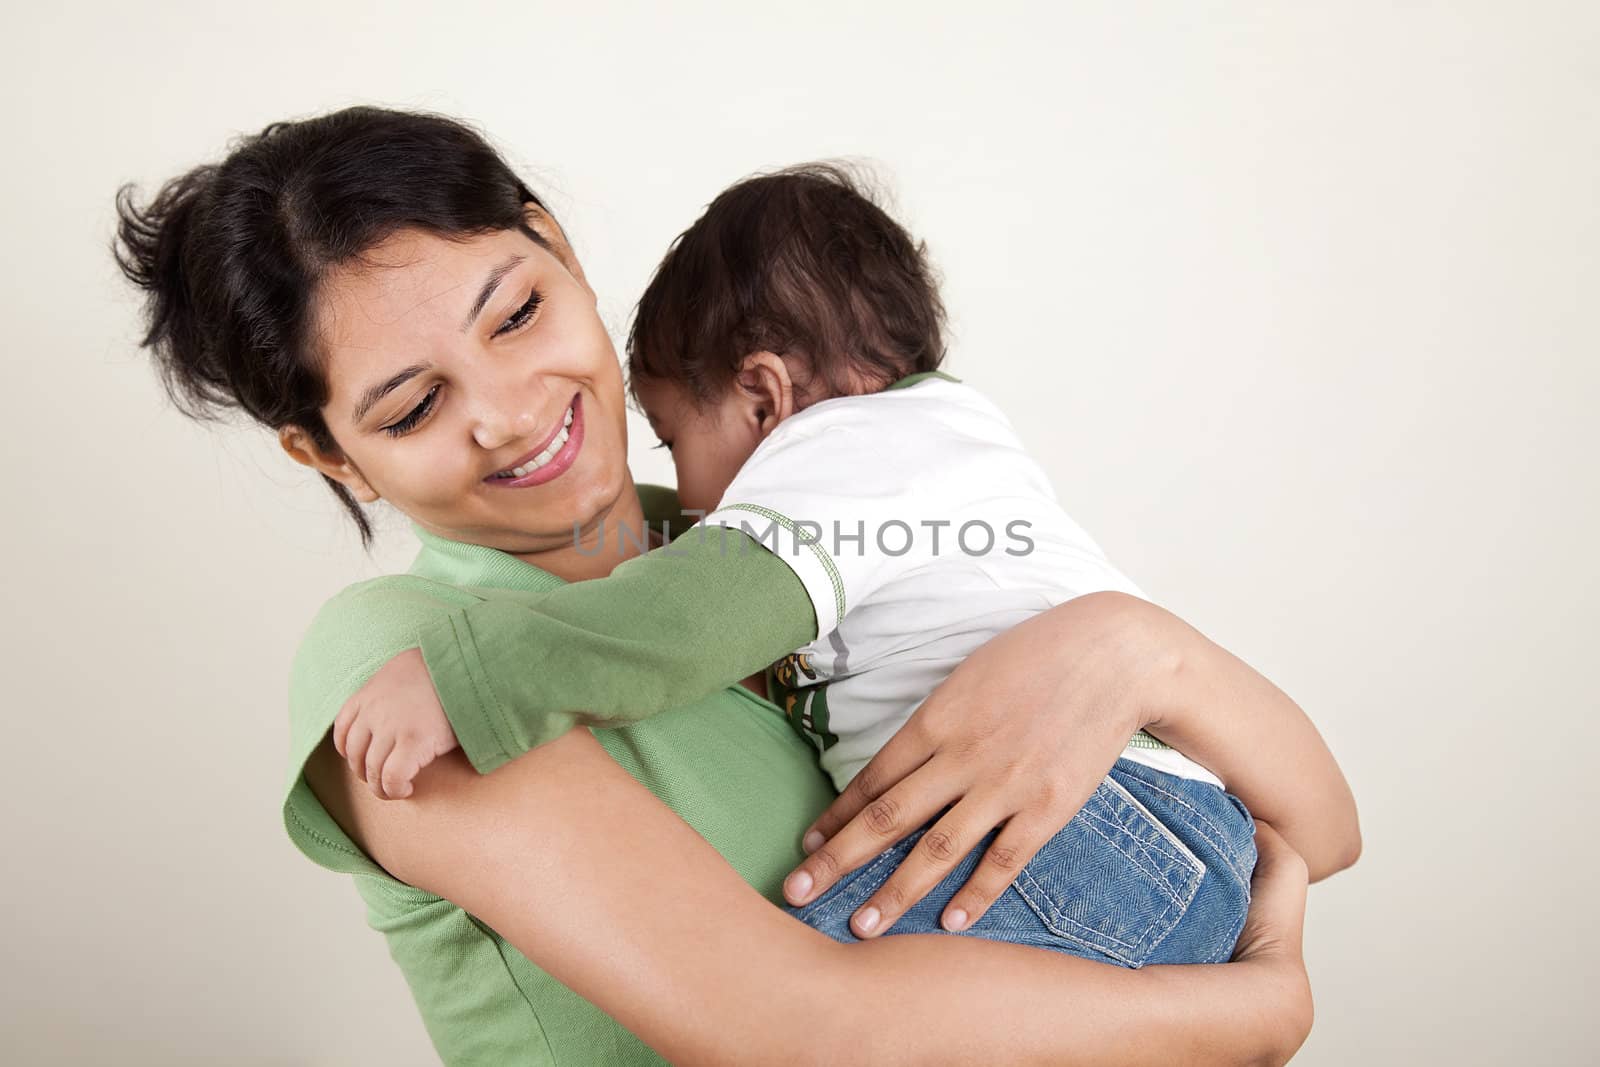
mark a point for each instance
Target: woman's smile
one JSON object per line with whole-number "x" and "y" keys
{"x": 551, "y": 459}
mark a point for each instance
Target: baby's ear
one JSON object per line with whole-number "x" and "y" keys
{"x": 764, "y": 380}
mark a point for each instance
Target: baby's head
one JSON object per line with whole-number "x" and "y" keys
{"x": 792, "y": 288}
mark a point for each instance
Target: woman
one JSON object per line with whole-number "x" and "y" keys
{"x": 381, "y": 290}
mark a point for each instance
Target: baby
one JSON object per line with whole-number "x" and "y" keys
{"x": 787, "y": 353}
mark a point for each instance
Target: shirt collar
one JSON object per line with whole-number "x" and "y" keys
{"x": 460, "y": 563}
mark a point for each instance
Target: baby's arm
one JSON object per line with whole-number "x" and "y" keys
{"x": 519, "y": 669}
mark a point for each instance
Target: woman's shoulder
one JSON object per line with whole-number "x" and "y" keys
{"x": 363, "y": 626}
{"x": 379, "y": 605}
{"x": 356, "y": 631}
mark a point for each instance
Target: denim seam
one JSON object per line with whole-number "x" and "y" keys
{"x": 1153, "y": 849}
{"x": 1218, "y": 842}
{"x": 1161, "y": 829}
{"x": 1150, "y": 866}
{"x": 1056, "y": 916}
{"x": 1226, "y": 951}
{"x": 1218, "y": 837}
{"x": 1222, "y": 953}
{"x": 1159, "y": 927}
{"x": 1158, "y": 876}
{"x": 1136, "y": 953}
{"x": 1156, "y": 840}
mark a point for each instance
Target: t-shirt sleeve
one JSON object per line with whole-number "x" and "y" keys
{"x": 676, "y": 624}
{"x": 840, "y": 503}
{"x": 352, "y": 635}
{"x": 470, "y": 1003}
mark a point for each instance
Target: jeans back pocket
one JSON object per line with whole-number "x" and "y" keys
{"x": 1114, "y": 879}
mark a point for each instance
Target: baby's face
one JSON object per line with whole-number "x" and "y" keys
{"x": 708, "y": 447}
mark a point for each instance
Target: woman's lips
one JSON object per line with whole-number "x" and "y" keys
{"x": 558, "y": 463}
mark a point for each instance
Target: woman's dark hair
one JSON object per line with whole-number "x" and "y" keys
{"x": 230, "y": 255}
{"x": 800, "y": 262}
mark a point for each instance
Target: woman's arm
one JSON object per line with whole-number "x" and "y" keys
{"x": 596, "y": 881}
{"x": 1026, "y": 727}
{"x": 1214, "y": 708}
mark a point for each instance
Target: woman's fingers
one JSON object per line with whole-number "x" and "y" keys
{"x": 944, "y": 845}
{"x": 1275, "y": 924}
{"x": 1040, "y": 816}
{"x": 1274, "y": 931}
{"x": 905, "y": 752}
{"x": 1011, "y": 850}
{"x": 880, "y": 824}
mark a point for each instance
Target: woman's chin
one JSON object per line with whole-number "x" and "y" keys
{"x": 580, "y": 498}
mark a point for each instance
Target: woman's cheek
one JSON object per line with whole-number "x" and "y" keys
{"x": 440, "y": 476}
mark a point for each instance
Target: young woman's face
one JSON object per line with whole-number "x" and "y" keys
{"x": 452, "y": 362}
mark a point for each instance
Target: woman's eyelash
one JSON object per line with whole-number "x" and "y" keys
{"x": 415, "y": 416}
{"x": 520, "y": 317}
{"x": 664, "y": 444}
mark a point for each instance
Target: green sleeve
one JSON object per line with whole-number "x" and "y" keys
{"x": 674, "y": 625}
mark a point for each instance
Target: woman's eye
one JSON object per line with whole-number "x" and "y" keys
{"x": 664, "y": 444}
{"x": 416, "y": 415}
{"x": 520, "y": 317}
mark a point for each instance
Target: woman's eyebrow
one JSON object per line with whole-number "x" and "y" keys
{"x": 496, "y": 276}
{"x": 384, "y": 388}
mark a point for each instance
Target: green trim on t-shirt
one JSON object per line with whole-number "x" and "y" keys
{"x": 913, "y": 379}
{"x": 822, "y": 556}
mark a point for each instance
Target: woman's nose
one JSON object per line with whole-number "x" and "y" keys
{"x": 496, "y": 427}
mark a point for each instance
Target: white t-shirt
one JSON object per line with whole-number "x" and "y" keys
{"x": 921, "y": 528}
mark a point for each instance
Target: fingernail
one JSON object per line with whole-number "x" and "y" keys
{"x": 955, "y": 920}
{"x": 797, "y": 887}
{"x": 812, "y": 842}
{"x": 867, "y": 920}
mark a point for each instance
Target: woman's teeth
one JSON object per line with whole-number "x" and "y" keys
{"x": 543, "y": 457}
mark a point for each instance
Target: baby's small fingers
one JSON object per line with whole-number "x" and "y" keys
{"x": 400, "y": 771}
{"x": 355, "y": 748}
{"x": 377, "y": 754}
{"x": 342, "y": 722}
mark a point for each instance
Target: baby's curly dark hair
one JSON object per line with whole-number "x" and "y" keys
{"x": 803, "y": 263}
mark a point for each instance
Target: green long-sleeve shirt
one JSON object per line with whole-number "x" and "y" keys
{"x": 727, "y": 763}
{"x": 663, "y": 629}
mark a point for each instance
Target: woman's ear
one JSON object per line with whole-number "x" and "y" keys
{"x": 767, "y": 389}
{"x": 298, "y": 442}
{"x": 544, "y": 224}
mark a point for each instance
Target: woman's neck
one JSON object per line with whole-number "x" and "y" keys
{"x": 617, "y": 534}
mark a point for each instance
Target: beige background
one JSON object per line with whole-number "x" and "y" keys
{"x": 1296, "y": 304}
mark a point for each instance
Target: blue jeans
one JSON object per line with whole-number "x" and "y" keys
{"x": 1154, "y": 869}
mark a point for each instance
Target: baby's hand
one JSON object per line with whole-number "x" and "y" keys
{"x": 393, "y": 727}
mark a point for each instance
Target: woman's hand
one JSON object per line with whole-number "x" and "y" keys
{"x": 1273, "y": 939}
{"x": 1019, "y": 734}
